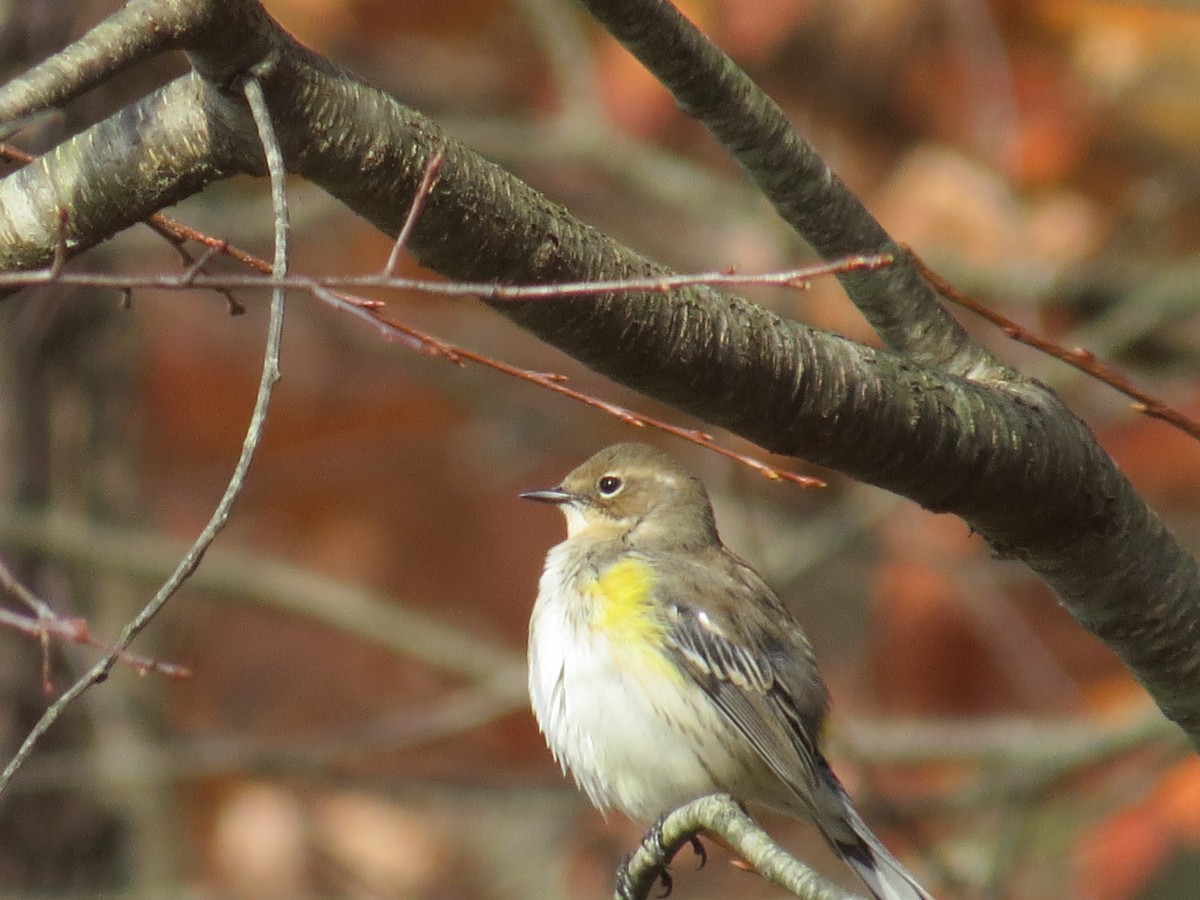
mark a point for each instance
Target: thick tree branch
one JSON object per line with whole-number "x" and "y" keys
{"x": 809, "y": 196}
{"x": 1006, "y": 456}
{"x": 104, "y": 185}
{"x": 137, "y": 31}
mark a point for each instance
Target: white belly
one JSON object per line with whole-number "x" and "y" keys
{"x": 636, "y": 735}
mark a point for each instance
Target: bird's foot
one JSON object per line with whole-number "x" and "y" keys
{"x": 631, "y": 886}
{"x": 636, "y": 887}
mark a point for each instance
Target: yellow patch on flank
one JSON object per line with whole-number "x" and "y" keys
{"x": 624, "y": 611}
{"x": 622, "y": 595}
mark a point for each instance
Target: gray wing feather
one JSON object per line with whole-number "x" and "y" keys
{"x": 765, "y": 684}
{"x": 744, "y": 685}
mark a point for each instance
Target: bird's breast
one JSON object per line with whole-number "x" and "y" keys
{"x": 598, "y": 677}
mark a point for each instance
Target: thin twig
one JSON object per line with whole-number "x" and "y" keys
{"x": 10, "y": 583}
{"x": 270, "y": 375}
{"x": 555, "y": 382}
{"x": 198, "y": 264}
{"x": 75, "y": 630}
{"x": 798, "y": 278}
{"x": 424, "y": 189}
{"x": 1078, "y": 358}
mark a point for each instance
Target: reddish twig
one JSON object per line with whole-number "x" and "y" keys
{"x": 46, "y": 623}
{"x": 424, "y": 189}
{"x": 791, "y": 278}
{"x": 1083, "y": 360}
{"x": 177, "y": 234}
{"x": 270, "y": 376}
{"x": 556, "y": 382}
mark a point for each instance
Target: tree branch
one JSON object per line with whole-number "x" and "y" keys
{"x": 191, "y": 559}
{"x": 1005, "y": 455}
{"x": 809, "y": 196}
{"x": 722, "y": 816}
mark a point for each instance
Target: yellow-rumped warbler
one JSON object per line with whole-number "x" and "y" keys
{"x": 663, "y": 668}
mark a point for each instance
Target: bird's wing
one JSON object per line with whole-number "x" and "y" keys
{"x": 751, "y": 657}
{"x": 755, "y": 664}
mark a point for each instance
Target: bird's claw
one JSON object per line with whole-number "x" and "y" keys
{"x": 668, "y": 885}
{"x": 630, "y": 888}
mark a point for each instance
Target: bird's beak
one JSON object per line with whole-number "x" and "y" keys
{"x": 549, "y": 495}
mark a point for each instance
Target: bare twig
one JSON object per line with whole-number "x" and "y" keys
{"x": 76, "y": 631}
{"x": 47, "y": 622}
{"x": 790, "y": 278}
{"x": 270, "y": 375}
{"x": 424, "y": 189}
{"x": 9, "y": 582}
{"x": 394, "y": 624}
{"x": 1077, "y": 357}
{"x": 366, "y": 309}
{"x": 39, "y": 627}
{"x": 554, "y": 382}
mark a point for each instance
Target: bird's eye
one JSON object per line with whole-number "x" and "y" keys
{"x": 609, "y": 485}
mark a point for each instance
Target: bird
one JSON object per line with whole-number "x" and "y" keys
{"x": 662, "y": 668}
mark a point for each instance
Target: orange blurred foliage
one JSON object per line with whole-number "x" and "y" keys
{"x": 1118, "y": 857}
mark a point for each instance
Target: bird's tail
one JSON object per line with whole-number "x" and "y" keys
{"x": 853, "y": 841}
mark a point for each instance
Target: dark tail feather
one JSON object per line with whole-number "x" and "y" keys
{"x": 880, "y": 871}
{"x": 862, "y": 851}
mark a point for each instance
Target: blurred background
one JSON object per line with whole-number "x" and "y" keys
{"x": 355, "y": 722}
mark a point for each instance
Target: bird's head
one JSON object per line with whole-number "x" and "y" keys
{"x": 632, "y": 488}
